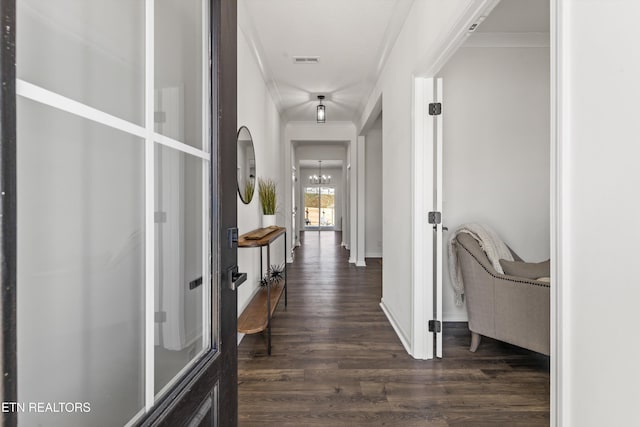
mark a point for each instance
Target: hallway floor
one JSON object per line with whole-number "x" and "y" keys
{"x": 337, "y": 361}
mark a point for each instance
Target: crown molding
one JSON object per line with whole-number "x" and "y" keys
{"x": 507, "y": 40}
{"x": 247, "y": 28}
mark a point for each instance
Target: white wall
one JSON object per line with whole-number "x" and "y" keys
{"x": 373, "y": 191}
{"x": 599, "y": 212}
{"x": 257, "y": 111}
{"x": 318, "y": 151}
{"x": 496, "y": 150}
{"x": 428, "y": 23}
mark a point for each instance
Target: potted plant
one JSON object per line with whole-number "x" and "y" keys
{"x": 267, "y": 193}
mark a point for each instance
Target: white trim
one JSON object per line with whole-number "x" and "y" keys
{"x": 421, "y": 185}
{"x": 507, "y": 40}
{"x": 449, "y": 43}
{"x": 52, "y": 99}
{"x": 60, "y": 102}
{"x": 422, "y": 245}
{"x": 136, "y": 417}
{"x": 240, "y": 337}
{"x": 560, "y": 175}
{"x": 455, "y": 317}
{"x": 207, "y": 283}
{"x": 180, "y": 146}
{"x": 361, "y": 194}
{"x": 373, "y": 254}
{"x": 247, "y": 28}
{"x": 206, "y": 274}
{"x": 396, "y": 327}
{"x": 439, "y": 164}
{"x": 149, "y": 208}
{"x": 353, "y": 199}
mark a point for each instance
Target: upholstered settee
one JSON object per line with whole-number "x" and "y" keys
{"x": 507, "y": 308}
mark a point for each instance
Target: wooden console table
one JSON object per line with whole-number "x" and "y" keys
{"x": 258, "y": 314}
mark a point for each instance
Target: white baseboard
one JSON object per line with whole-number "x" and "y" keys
{"x": 396, "y": 327}
{"x": 454, "y": 317}
{"x": 373, "y": 254}
{"x": 361, "y": 263}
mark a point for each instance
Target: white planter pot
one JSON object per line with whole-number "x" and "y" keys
{"x": 268, "y": 220}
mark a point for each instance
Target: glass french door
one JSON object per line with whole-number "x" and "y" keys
{"x": 319, "y": 207}
{"x": 121, "y": 308}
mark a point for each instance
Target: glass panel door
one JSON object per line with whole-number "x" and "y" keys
{"x": 319, "y": 207}
{"x": 327, "y": 207}
{"x": 115, "y": 294}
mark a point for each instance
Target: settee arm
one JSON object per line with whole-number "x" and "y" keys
{"x": 522, "y": 312}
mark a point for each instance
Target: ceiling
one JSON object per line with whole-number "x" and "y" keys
{"x": 518, "y": 16}
{"x": 351, "y": 38}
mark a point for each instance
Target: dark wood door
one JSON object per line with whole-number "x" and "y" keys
{"x": 208, "y": 395}
{"x": 204, "y": 392}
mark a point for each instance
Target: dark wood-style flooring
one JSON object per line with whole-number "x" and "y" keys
{"x": 336, "y": 360}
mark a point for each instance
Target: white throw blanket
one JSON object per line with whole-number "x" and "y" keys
{"x": 490, "y": 243}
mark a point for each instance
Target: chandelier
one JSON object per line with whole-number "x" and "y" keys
{"x": 320, "y": 178}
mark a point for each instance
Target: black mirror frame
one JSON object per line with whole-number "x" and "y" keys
{"x": 240, "y": 194}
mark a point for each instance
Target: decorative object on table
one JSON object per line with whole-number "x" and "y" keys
{"x": 273, "y": 276}
{"x": 246, "y": 165}
{"x": 267, "y": 192}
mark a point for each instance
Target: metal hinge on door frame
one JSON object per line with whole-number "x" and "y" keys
{"x": 435, "y": 326}
{"x": 435, "y": 108}
{"x": 434, "y": 217}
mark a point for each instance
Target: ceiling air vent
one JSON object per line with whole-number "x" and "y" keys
{"x": 306, "y": 59}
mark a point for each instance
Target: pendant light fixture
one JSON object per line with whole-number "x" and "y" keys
{"x": 320, "y": 111}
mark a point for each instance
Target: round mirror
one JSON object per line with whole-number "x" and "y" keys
{"x": 246, "y": 165}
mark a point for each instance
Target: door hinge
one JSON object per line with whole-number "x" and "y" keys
{"x": 435, "y": 326}
{"x": 435, "y": 217}
{"x": 435, "y": 108}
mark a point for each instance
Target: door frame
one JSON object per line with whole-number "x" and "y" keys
{"x": 432, "y": 64}
{"x": 8, "y": 209}
{"x": 216, "y": 370}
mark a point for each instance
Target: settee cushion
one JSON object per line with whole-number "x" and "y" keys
{"x": 528, "y": 270}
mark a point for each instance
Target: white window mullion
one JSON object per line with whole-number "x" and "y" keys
{"x": 60, "y": 102}
{"x": 149, "y": 207}
{"x": 180, "y": 146}
{"x": 206, "y": 231}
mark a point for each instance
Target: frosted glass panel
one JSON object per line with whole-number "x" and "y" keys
{"x": 89, "y": 50}
{"x": 178, "y": 70}
{"x": 80, "y": 268}
{"x": 179, "y": 285}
